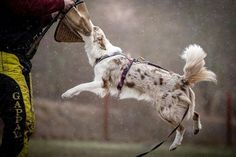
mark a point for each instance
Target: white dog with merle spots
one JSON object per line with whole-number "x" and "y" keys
{"x": 170, "y": 92}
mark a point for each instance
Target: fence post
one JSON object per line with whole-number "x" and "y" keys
{"x": 229, "y": 119}
{"x": 106, "y": 118}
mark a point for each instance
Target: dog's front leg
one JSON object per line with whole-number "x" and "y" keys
{"x": 90, "y": 86}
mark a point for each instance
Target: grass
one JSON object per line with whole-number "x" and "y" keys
{"x": 59, "y": 148}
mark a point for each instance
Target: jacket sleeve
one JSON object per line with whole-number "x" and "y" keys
{"x": 35, "y": 7}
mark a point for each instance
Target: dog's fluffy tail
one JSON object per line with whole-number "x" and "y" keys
{"x": 194, "y": 69}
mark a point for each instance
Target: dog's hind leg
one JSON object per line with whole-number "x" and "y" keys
{"x": 179, "y": 132}
{"x": 197, "y": 126}
{"x": 178, "y": 137}
{"x": 95, "y": 87}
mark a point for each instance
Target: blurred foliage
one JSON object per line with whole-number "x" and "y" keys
{"x": 128, "y": 122}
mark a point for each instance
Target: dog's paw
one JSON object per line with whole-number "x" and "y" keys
{"x": 173, "y": 147}
{"x": 196, "y": 131}
{"x": 197, "y": 128}
{"x": 67, "y": 95}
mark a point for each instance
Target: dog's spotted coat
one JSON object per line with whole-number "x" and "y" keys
{"x": 171, "y": 93}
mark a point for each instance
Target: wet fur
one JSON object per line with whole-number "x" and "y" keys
{"x": 170, "y": 92}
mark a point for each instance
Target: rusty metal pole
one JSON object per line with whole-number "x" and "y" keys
{"x": 106, "y": 118}
{"x": 229, "y": 119}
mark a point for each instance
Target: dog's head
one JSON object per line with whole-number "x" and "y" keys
{"x": 99, "y": 37}
{"x": 77, "y": 26}
{"x": 97, "y": 45}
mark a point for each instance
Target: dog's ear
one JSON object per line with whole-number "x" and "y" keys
{"x": 99, "y": 37}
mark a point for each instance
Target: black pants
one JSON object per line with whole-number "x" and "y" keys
{"x": 16, "y": 108}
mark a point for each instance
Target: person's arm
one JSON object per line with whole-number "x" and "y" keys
{"x": 37, "y": 7}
